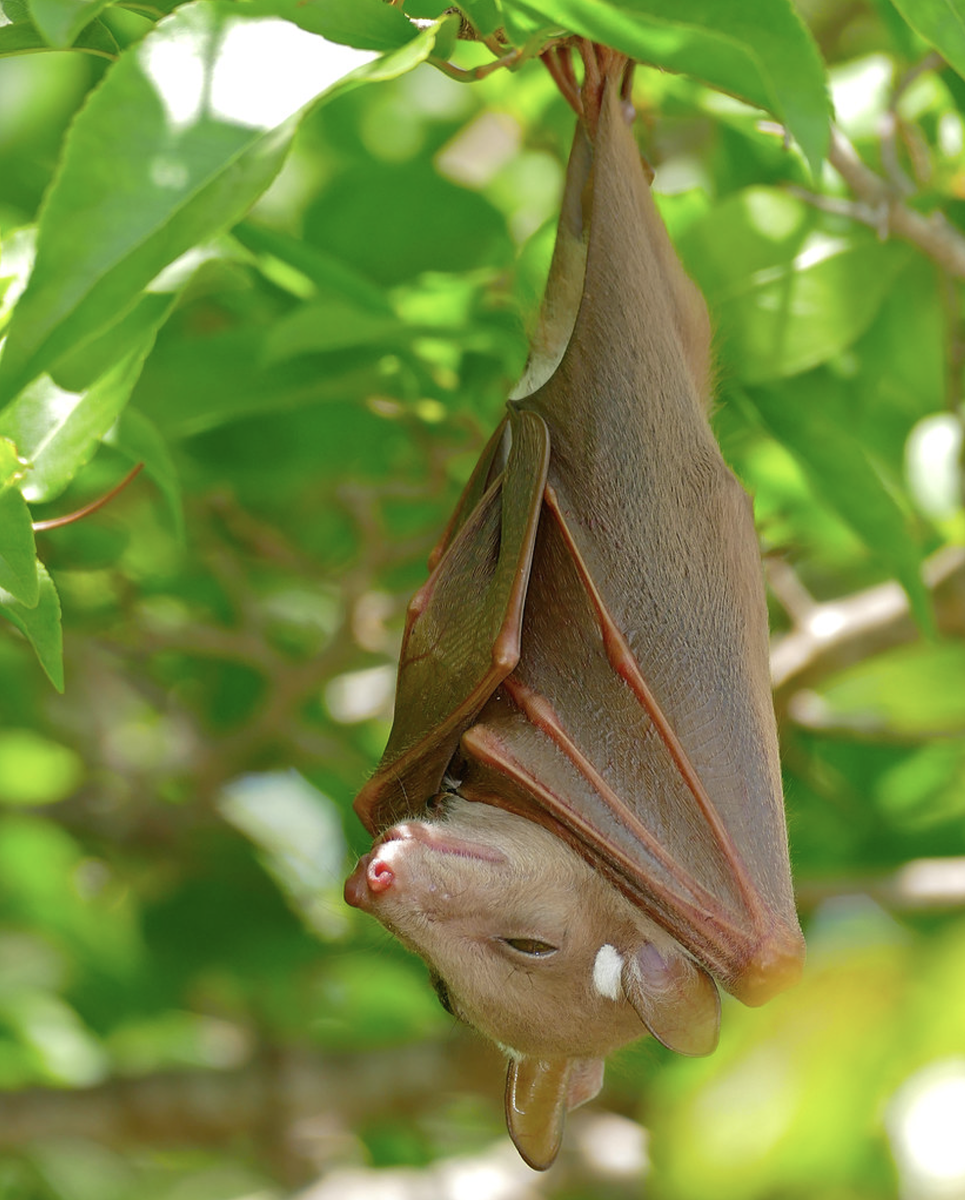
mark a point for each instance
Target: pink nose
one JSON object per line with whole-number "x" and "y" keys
{"x": 372, "y": 876}
{"x": 379, "y": 875}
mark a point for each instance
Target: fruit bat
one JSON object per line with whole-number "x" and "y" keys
{"x": 578, "y": 816}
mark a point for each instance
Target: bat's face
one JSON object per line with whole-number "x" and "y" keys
{"x": 530, "y": 945}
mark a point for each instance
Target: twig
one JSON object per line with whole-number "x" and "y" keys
{"x": 840, "y": 633}
{"x": 472, "y": 74}
{"x": 794, "y": 597}
{"x": 891, "y": 124}
{"x": 211, "y": 1107}
{"x": 80, "y": 513}
{"x": 300, "y": 1111}
{"x": 924, "y": 884}
{"x": 886, "y": 212}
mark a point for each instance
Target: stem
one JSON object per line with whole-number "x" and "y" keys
{"x": 80, "y": 513}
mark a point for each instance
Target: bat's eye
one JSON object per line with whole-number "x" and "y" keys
{"x": 442, "y": 992}
{"x": 436, "y": 804}
{"x": 531, "y": 946}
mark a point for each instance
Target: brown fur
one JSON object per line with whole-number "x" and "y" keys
{"x": 589, "y": 658}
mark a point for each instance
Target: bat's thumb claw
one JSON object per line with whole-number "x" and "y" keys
{"x": 675, "y": 999}
{"x": 777, "y": 965}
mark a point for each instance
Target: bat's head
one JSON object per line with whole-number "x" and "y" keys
{"x": 529, "y": 944}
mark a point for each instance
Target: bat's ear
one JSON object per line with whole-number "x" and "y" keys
{"x": 538, "y": 1094}
{"x": 674, "y": 998}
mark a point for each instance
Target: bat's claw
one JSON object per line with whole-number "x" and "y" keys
{"x": 776, "y": 967}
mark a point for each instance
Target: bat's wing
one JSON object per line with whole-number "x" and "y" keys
{"x": 638, "y": 721}
{"x": 463, "y": 627}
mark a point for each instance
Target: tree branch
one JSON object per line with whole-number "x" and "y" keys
{"x": 300, "y": 1110}
{"x": 922, "y": 885}
{"x": 883, "y": 208}
{"x": 840, "y": 633}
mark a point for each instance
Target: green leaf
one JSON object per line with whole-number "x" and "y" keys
{"x": 299, "y": 834}
{"x": 40, "y": 624}
{"x": 785, "y": 298}
{"x": 758, "y": 50}
{"x": 327, "y": 325}
{"x": 133, "y": 335}
{"x": 60, "y": 21}
{"x": 23, "y": 37}
{"x": 57, "y": 431}
{"x": 940, "y": 22}
{"x": 174, "y": 146}
{"x": 484, "y": 15}
{"x": 329, "y": 274}
{"x": 139, "y": 440}
{"x": 17, "y": 251}
{"x": 365, "y": 24}
{"x": 35, "y": 770}
{"x": 521, "y": 27}
{"x": 352, "y": 220}
{"x": 195, "y": 386}
{"x": 18, "y": 555}
{"x": 914, "y": 690}
{"x": 791, "y": 319}
{"x": 844, "y": 477}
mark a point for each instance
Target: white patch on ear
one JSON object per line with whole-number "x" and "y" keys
{"x": 607, "y": 971}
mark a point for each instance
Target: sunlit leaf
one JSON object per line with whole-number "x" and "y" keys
{"x": 17, "y": 251}
{"x": 35, "y": 770}
{"x": 57, "y": 431}
{"x": 300, "y": 837}
{"x": 68, "y": 1053}
{"x": 785, "y": 298}
{"x": 927, "y": 787}
{"x": 175, "y": 145}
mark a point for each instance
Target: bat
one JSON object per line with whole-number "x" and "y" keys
{"x": 578, "y": 817}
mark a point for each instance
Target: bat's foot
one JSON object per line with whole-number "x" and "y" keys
{"x": 600, "y": 64}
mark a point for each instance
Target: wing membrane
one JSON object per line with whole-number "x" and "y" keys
{"x": 463, "y": 630}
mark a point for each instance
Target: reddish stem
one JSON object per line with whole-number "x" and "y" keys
{"x": 70, "y": 518}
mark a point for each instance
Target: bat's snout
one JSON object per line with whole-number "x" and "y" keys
{"x": 399, "y": 850}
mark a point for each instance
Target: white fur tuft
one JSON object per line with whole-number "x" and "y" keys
{"x": 607, "y": 971}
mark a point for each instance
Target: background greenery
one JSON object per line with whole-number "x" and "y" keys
{"x": 289, "y": 268}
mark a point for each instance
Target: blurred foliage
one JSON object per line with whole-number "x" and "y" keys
{"x": 278, "y": 254}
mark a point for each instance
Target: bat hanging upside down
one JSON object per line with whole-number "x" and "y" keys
{"x": 578, "y": 816}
